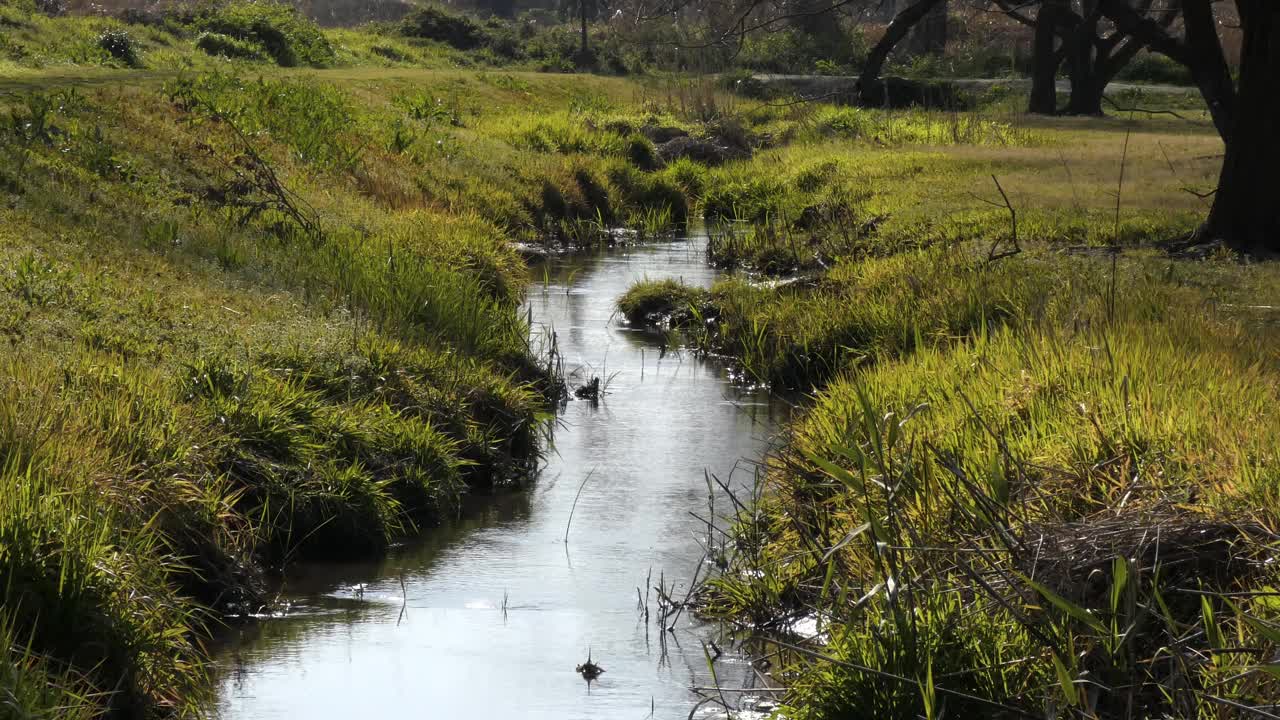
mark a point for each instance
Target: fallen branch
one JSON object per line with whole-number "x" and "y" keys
{"x": 1119, "y": 108}
{"x": 992, "y": 256}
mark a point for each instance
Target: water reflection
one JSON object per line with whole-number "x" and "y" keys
{"x": 492, "y": 616}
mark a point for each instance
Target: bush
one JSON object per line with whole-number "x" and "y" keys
{"x": 120, "y": 46}
{"x": 285, "y": 35}
{"x": 227, "y": 46}
{"x": 435, "y": 23}
{"x": 1156, "y": 68}
{"x": 52, "y": 8}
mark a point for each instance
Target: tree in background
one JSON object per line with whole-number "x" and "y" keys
{"x": 1246, "y": 214}
{"x": 929, "y": 37}
{"x": 1093, "y": 48}
{"x": 869, "y": 85}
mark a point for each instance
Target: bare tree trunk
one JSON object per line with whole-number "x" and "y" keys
{"x": 1044, "y": 61}
{"x": 1086, "y": 93}
{"x": 1210, "y": 70}
{"x": 930, "y": 35}
{"x": 897, "y": 30}
{"x": 582, "y": 15}
{"x": 1201, "y": 53}
{"x": 1246, "y": 209}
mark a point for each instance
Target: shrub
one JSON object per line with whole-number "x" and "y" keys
{"x": 288, "y": 37}
{"x": 226, "y": 46}
{"x": 1156, "y": 68}
{"x": 52, "y": 8}
{"x": 120, "y": 46}
{"x": 435, "y": 23}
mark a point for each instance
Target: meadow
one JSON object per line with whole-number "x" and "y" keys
{"x": 260, "y": 291}
{"x": 1037, "y": 473}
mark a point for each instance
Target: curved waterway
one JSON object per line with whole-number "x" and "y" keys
{"x": 423, "y": 632}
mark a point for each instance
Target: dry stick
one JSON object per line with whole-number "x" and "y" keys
{"x": 1075, "y": 196}
{"x": 575, "y": 503}
{"x": 1013, "y": 217}
{"x": 1132, "y": 110}
{"x": 404, "y": 600}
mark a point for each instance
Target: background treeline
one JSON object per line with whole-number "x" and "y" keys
{"x": 976, "y": 39}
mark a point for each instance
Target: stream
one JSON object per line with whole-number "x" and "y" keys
{"x": 489, "y": 616}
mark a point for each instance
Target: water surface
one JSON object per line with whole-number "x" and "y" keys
{"x": 427, "y": 635}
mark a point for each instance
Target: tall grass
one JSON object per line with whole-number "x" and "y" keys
{"x": 1066, "y": 514}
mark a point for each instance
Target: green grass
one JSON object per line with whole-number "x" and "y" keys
{"x": 655, "y": 302}
{"x": 251, "y": 313}
{"x": 1075, "y": 425}
{"x": 257, "y": 319}
{"x": 1116, "y": 415}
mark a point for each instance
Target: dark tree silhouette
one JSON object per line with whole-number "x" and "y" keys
{"x": 1094, "y": 51}
{"x": 1246, "y": 214}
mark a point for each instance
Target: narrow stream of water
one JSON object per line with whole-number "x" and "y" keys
{"x": 342, "y": 652}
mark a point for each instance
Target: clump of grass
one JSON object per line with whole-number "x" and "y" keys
{"x": 799, "y": 335}
{"x": 32, "y": 686}
{"x": 215, "y": 43}
{"x": 669, "y": 303}
{"x": 279, "y": 30}
{"x": 86, "y": 584}
{"x": 919, "y": 127}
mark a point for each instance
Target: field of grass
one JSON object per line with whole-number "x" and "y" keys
{"x": 1036, "y": 479}
{"x": 264, "y": 307}
{"x": 253, "y": 319}
{"x": 1066, "y": 503}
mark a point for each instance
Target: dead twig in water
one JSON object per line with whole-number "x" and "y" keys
{"x": 404, "y": 601}
{"x": 575, "y": 504}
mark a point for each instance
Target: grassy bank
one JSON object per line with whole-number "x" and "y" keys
{"x": 259, "y": 298}
{"x": 250, "y": 319}
{"x": 221, "y": 355}
{"x": 1038, "y": 477}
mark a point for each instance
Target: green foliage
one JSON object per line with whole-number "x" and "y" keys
{"x": 1082, "y": 425}
{"x": 120, "y": 45}
{"x": 279, "y": 30}
{"x": 640, "y": 153}
{"x": 792, "y": 50}
{"x": 432, "y": 22}
{"x": 662, "y": 302}
{"x": 309, "y": 117}
{"x": 226, "y": 46}
{"x": 1155, "y": 68}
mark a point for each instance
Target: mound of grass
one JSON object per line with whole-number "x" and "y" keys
{"x": 432, "y": 22}
{"x": 221, "y": 355}
{"x": 279, "y": 30}
{"x": 653, "y": 303}
{"x": 226, "y": 46}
